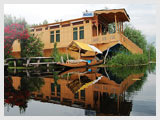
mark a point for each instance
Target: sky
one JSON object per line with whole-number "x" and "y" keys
{"x": 143, "y": 16}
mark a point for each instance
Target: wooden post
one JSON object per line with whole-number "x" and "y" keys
{"x": 100, "y": 29}
{"x": 118, "y": 26}
{"x": 38, "y": 61}
{"x": 62, "y": 59}
{"x": 47, "y": 64}
{"x": 79, "y": 53}
{"x": 67, "y": 54}
{"x": 97, "y": 24}
{"x": 116, "y": 22}
{"x": 15, "y": 63}
{"x": 28, "y": 60}
{"x": 122, "y": 27}
{"x": 118, "y": 102}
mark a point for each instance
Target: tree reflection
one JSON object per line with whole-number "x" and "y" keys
{"x": 119, "y": 74}
{"x": 20, "y": 96}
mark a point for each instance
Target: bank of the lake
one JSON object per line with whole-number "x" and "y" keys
{"x": 128, "y": 60}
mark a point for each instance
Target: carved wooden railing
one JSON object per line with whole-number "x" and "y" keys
{"x": 105, "y": 38}
{"x": 132, "y": 47}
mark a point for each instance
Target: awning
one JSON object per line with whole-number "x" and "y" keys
{"x": 83, "y": 47}
{"x": 90, "y": 83}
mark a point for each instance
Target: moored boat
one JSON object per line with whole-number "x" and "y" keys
{"x": 82, "y": 48}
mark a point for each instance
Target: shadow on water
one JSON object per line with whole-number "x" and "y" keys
{"x": 99, "y": 91}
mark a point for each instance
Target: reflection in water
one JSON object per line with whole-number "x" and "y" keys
{"x": 100, "y": 91}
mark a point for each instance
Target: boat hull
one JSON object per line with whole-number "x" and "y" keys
{"x": 80, "y": 64}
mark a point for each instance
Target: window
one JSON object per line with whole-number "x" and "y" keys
{"x": 83, "y": 94}
{"x": 46, "y": 28}
{"x": 78, "y": 23}
{"x": 58, "y": 36}
{"x": 52, "y": 87}
{"x": 75, "y": 33}
{"x": 65, "y": 25}
{"x": 81, "y": 32}
{"x": 32, "y": 30}
{"x": 87, "y": 21}
{"x": 76, "y": 95}
{"x": 53, "y": 27}
{"x": 52, "y": 37}
{"x": 39, "y": 29}
{"x": 58, "y": 90}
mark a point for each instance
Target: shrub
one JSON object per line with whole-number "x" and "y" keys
{"x": 33, "y": 47}
{"x": 132, "y": 59}
{"x": 57, "y": 56}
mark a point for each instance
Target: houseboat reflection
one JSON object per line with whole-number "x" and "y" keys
{"x": 84, "y": 88}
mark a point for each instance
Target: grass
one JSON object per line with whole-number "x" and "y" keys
{"x": 20, "y": 68}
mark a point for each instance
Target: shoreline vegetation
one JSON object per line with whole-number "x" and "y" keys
{"x": 123, "y": 57}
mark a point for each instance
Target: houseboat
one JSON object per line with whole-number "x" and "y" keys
{"x": 92, "y": 29}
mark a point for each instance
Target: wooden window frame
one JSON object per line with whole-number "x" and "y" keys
{"x": 52, "y": 35}
{"x": 81, "y": 30}
{"x": 75, "y": 30}
{"x": 58, "y": 33}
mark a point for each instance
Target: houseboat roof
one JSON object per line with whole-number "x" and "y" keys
{"x": 108, "y": 15}
{"x": 75, "y": 46}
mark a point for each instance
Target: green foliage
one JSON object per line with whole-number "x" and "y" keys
{"x": 119, "y": 74}
{"x": 32, "y": 84}
{"x": 111, "y": 28}
{"x": 122, "y": 59}
{"x": 9, "y": 19}
{"x": 151, "y": 52}
{"x": 123, "y": 72}
{"x": 45, "y": 22}
{"x": 33, "y": 47}
{"x": 136, "y": 36}
{"x": 57, "y": 56}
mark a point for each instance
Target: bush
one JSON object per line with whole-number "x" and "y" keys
{"x": 57, "y": 56}
{"x": 132, "y": 59}
{"x": 33, "y": 47}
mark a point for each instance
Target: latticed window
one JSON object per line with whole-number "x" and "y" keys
{"x": 52, "y": 36}
{"x": 58, "y": 36}
{"x": 75, "y": 33}
{"x": 81, "y": 32}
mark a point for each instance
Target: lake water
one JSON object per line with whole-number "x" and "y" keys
{"x": 127, "y": 91}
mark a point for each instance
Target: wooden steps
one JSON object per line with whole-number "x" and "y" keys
{"x": 132, "y": 47}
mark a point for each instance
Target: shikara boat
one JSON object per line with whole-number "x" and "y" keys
{"x": 82, "y": 48}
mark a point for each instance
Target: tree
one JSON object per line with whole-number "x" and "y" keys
{"x": 151, "y": 52}
{"x": 8, "y": 20}
{"x": 57, "y": 56}
{"x": 45, "y": 22}
{"x": 11, "y": 33}
{"x": 55, "y": 53}
{"x": 136, "y": 36}
{"x": 60, "y": 20}
{"x": 33, "y": 47}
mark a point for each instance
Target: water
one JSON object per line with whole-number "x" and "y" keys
{"x": 128, "y": 91}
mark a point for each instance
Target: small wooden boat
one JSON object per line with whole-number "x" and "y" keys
{"x": 80, "y": 63}
{"x": 82, "y": 48}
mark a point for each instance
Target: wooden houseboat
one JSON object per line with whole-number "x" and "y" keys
{"x": 92, "y": 30}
